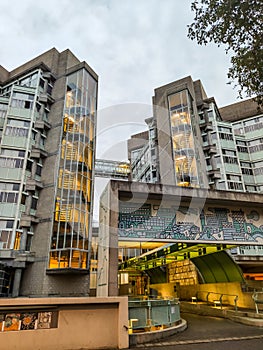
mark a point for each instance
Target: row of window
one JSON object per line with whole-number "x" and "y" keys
{"x": 256, "y": 148}
{"x": 258, "y": 171}
{"x": 16, "y": 131}
{"x": 22, "y": 104}
{"x": 8, "y": 186}
{"x": 9, "y": 197}
{"x": 228, "y": 137}
{"x": 6, "y": 224}
{"x": 254, "y": 127}
{"x": 6, "y": 162}
{"x": 230, "y": 160}
{"x": 235, "y": 186}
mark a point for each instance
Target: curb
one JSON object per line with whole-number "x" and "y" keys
{"x": 150, "y": 337}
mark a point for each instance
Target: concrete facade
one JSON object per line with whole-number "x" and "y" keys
{"x": 75, "y": 323}
{"x": 52, "y": 98}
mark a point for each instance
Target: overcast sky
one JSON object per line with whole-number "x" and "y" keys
{"x": 134, "y": 47}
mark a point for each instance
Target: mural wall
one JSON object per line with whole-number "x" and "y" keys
{"x": 27, "y": 321}
{"x": 211, "y": 223}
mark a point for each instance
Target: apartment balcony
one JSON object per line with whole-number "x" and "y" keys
{"x": 42, "y": 125}
{"x": 45, "y": 98}
{"x": 38, "y": 152}
{"x": 208, "y": 126}
{"x": 32, "y": 185}
{"x": 212, "y": 150}
{"x": 214, "y": 173}
{"x": 22, "y": 257}
{"x": 27, "y": 220}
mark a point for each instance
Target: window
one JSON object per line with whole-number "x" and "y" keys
{"x": 3, "y": 110}
{"x": 201, "y": 116}
{"x": 247, "y": 171}
{"x": 18, "y": 122}
{"x": 241, "y": 143}
{"x": 38, "y": 170}
{"x": 228, "y": 137}
{"x": 9, "y": 192}
{"x": 13, "y": 153}
{"x": 224, "y": 129}
{"x": 256, "y": 148}
{"x": 233, "y": 177}
{"x": 29, "y": 164}
{"x": 30, "y": 81}
{"x": 210, "y": 115}
{"x": 23, "y": 198}
{"x": 251, "y": 188}
{"x": 16, "y": 132}
{"x": 255, "y": 142}
{"x": 258, "y": 171}
{"x": 230, "y": 160}
{"x": 34, "y": 203}
{"x": 8, "y": 197}
{"x": 29, "y": 238}
{"x": 9, "y": 223}
{"x": 205, "y": 138}
{"x": 229, "y": 152}
{"x": 34, "y": 135}
{"x": 257, "y": 164}
{"x": 242, "y": 149}
{"x": 235, "y": 186}
{"x": 11, "y": 162}
{"x": 246, "y": 165}
{"x": 42, "y": 140}
{"x": 41, "y": 83}
{"x": 49, "y": 89}
{"x": 38, "y": 106}
{"x": 214, "y": 136}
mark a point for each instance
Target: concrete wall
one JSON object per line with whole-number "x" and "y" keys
{"x": 187, "y": 292}
{"x": 90, "y": 323}
{"x": 107, "y": 280}
{"x": 234, "y": 288}
{"x": 165, "y": 290}
{"x": 240, "y": 110}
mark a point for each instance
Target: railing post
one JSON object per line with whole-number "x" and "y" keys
{"x": 207, "y": 297}
{"x": 220, "y": 299}
{"x": 235, "y": 300}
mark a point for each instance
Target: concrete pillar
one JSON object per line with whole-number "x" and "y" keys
{"x": 23, "y": 240}
{"x": 16, "y": 283}
{"x": 28, "y": 204}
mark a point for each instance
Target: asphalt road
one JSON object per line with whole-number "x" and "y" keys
{"x": 211, "y": 333}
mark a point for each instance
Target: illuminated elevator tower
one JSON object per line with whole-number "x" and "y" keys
{"x": 70, "y": 239}
{"x": 180, "y": 158}
{"x": 184, "y": 155}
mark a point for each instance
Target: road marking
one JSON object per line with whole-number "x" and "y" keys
{"x": 197, "y": 341}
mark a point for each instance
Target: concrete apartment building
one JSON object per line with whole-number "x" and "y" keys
{"x": 191, "y": 142}
{"x": 47, "y": 151}
{"x": 201, "y": 172}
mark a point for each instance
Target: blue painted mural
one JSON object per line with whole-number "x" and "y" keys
{"x": 150, "y": 221}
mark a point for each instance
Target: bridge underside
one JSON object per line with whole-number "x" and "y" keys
{"x": 191, "y": 224}
{"x": 213, "y": 263}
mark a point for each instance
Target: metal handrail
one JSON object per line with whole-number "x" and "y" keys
{"x": 257, "y": 300}
{"x": 220, "y": 298}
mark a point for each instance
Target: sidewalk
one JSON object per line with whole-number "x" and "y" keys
{"x": 244, "y": 316}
